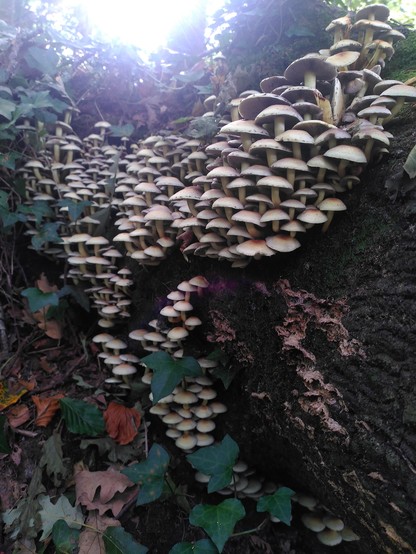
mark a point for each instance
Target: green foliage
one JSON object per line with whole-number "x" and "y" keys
{"x": 150, "y": 475}
{"x": 278, "y": 504}
{"x": 62, "y": 509}
{"x": 204, "y": 546}
{"x": 217, "y": 461}
{"x": 168, "y": 372}
{"x": 82, "y": 418}
{"x": 410, "y": 164}
{"x": 113, "y": 451}
{"x": 64, "y": 537}
{"x": 38, "y": 299}
{"x": 4, "y": 443}
{"x": 52, "y": 459}
{"x": 218, "y": 521}
{"x": 118, "y": 541}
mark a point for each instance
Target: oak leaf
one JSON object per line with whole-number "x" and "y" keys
{"x": 121, "y": 423}
{"x": 104, "y": 490}
{"x": 46, "y": 408}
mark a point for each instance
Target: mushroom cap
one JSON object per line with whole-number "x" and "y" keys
{"x": 185, "y": 397}
{"x": 290, "y": 163}
{"x": 329, "y": 537}
{"x": 124, "y": 369}
{"x": 242, "y": 126}
{"x": 253, "y": 248}
{"x": 313, "y": 522}
{"x": 332, "y": 205}
{"x": 313, "y": 216}
{"x": 186, "y": 442}
{"x": 334, "y": 523}
{"x": 251, "y": 106}
{"x": 401, "y": 91}
{"x": 346, "y": 152}
{"x": 324, "y": 71}
{"x": 344, "y": 58}
{"x": 282, "y": 243}
{"x": 177, "y": 333}
{"x": 270, "y": 113}
{"x": 378, "y": 11}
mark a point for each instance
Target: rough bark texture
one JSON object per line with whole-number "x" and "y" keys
{"x": 324, "y": 346}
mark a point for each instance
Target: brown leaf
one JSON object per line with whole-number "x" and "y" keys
{"x": 43, "y": 284}
{"x": 52, "y": 328}
{"x": 104, "y": 490}
{"x": 18, "y": 415}
{"x": 121, "y": 423}
{"x": 46, "y": 408}
{"x": 90, "y": 540}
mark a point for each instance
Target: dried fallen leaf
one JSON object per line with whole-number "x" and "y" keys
{"x": 18, "y": 415}
{"x": 90, "y": 540}
{"x": 121, "y": 423}
{"x": 10, "y": 393}
{"x": 104, "y": 490}
{"x": 46, "y": 408}
{"x": 43, "y": 284}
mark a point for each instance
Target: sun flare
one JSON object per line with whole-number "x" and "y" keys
{"x": 145, "y": 24}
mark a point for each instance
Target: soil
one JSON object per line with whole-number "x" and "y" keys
{"x": 328, "y": 410}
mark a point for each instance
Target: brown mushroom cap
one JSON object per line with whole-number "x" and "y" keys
{"x": 309, "y": 69}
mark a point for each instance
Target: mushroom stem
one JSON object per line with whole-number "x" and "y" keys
{"x": 327, "y": 223}
{"x": 309, "y": 79}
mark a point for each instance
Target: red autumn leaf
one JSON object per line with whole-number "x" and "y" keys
{"x": 46, "y": 408}
{"x": 121, "y": 423}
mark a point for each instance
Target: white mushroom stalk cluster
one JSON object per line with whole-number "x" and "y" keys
{"x": 72, "y": 178}
{"x": 330, "y": 530}
{"x": 189, "y": 412}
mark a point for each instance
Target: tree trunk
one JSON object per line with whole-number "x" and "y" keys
{"x": 324, "y": 346}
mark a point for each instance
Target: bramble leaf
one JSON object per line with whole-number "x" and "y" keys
{"x": 82, "y": 418}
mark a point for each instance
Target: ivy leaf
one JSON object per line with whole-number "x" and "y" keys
{"x": 82, "y": 418}
{"x": 38, "y": 299}
{"x": 168, "y": 372}
{"x": 45, "y": 61}
{"x": 4, "y": 443}
{"x": 118, "y": 541}
{"x": 218, "y": 521}
{"x": 75, "y": 208}
{"x": 51, "y": 513}
{"x": 64, "y": 538}
{"x": 204, "y": 546}
{"x": 122, "y": 130}
{"x": 278, "y": 504}
{"x": 7, "y": 108}
{"x": 410, "y": 164}
{"x": 217, "y": 461}
{"x": 150, "y": 475}
{"x": 77, "y": 294}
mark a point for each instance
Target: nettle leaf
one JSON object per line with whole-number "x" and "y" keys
{"x": 82, "y": 418}
{"x": 64, "y": 538}
{"x": 410, "y": 164}
{"x": 168, "y": 372}
{"x": 51, "y": 513}
{"x": 150, "y": 475}
{"x": 204, "y": 546}
{"x": 278, "y": 504}
{"x": 45, "y": 61}
{"x": 4, "y": 443}
{"x": 118, "y": 541}
{"x": 38, "y": 299}
{"x": 217, "y": 461}
{"x": 218, "y": 521}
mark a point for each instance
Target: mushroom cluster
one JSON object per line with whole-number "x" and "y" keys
{"x": 274, "y": 170}
{"x": 331, "y": 530}
{"x": 189, "y": 412}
